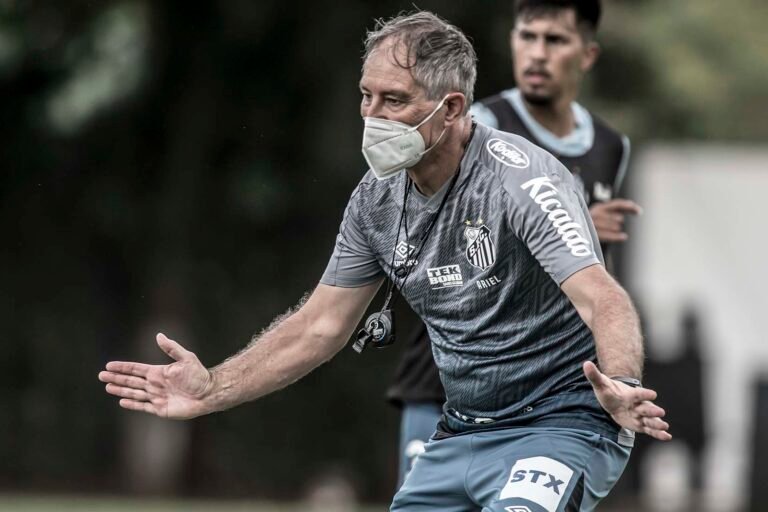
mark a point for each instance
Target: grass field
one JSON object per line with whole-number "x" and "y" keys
{"x": 9, "y": 503}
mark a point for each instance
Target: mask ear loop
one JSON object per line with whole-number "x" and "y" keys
{"x": 439, "y": 106}
{"x": 430, "y": 148}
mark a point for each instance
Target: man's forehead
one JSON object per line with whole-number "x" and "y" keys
{"x": 560, "y": 20}
{"x": 382, "y": 68}
{"x": 392, "y": 48}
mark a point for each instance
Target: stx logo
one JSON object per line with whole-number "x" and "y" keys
{"x": 544, "y": 193}
{"x": 507, "y": 153}
{"x": 534, "y": 475}
{"x": 540, "y": 480}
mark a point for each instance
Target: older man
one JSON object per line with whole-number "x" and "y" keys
{"x": 489, "y": 240}
{"x": 553, "y": 47}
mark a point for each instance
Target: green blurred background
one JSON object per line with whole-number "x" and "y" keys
{"x": 183, "y": 166}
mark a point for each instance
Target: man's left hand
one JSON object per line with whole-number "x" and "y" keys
{"x": 630, "y": 407}
{"x": 608, "y": 218}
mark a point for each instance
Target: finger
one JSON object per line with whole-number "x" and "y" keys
{"x": 643, "y": 394}
{"x": 624, "y": 206}
{"x": 137, "y": 369}
{"x": 123, "y": 392}
{"x": 123, "y": 380}
{"x": 655, "y": 424}
{"x": 135, "y": 405}
{"x": 595, "y": 376}
{"x": 649, "y": 410}
{"x": 609, "y": 222}
{"x": 661, "y": 435}
{"x": 172, "y": 348}
{"x": 614, "y": 219}
{"x": 612, "y": 236}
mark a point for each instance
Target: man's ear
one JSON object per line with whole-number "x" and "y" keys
{"x": 591, "y": 54}
{"x": 455, "y": 104}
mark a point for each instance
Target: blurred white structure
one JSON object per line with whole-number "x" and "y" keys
{"x": 703, "y": 240}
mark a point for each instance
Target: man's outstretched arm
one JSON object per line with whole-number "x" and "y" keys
{"x": 283, "y": 354}
{"x": 608, "y": 311}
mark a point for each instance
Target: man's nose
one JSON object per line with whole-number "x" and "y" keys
{"x": 538, "y": 49}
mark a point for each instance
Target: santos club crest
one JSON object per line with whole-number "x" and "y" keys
{"x": 481, "y": 252}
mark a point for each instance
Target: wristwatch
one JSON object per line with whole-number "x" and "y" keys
{"x": 629, "y": 381}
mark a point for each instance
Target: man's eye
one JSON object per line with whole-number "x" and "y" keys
{"x": 556, "y": 40}
{"x": 394, "y": 101}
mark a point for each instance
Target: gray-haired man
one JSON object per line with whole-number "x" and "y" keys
{"x": 488, "y": 239}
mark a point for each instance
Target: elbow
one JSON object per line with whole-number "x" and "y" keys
{"x": 326, "y": 338}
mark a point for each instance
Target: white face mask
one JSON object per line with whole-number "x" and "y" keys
{"x": 390, "y": 147}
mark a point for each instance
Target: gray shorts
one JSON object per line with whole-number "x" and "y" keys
{"x": 513, "y": 470}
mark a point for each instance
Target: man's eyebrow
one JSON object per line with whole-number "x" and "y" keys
{"x": 548, "y": 32}
{"x": 390, "y": 92}
{"x": 397, "y": 94}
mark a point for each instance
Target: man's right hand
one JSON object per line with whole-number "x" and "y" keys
{"x": 173, "y": 390}
{"x": 608, "y": 217}
{"x": 629, "y": 407}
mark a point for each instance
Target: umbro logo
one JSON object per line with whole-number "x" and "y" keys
{"x": 403, "y": 253}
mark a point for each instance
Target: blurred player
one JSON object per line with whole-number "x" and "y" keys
{"x": 489, "y": 239}
{"x": 553, "y": 47}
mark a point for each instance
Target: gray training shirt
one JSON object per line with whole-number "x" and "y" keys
{"x": 507, "y": 341}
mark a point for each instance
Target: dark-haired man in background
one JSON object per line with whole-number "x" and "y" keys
{"x": 553, "y": 47}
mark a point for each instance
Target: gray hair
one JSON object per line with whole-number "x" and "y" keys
{"x": 438, "y": 54}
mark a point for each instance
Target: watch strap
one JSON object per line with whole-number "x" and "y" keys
{"x": 629, "y": 381}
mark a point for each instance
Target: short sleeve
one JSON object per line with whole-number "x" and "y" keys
{"x": 353, "y": 264}
{"x": 551, "y": 217}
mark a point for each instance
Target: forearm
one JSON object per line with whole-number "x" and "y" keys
{"x": 277, "y": 358}
{"x": 616, "y": 329}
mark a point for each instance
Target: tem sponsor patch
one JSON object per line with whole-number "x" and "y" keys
{"x": 445, "y": 277}
{"x": 508, "y": 154}
{"x": 538, "y": 479}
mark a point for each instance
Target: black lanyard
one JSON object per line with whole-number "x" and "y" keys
{"x": 404, "y": 270}
{"x": 380, "y": 327}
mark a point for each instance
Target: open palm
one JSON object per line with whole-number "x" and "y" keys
{"x": 173, "y": 390}
{"x": 630, "y": 407}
